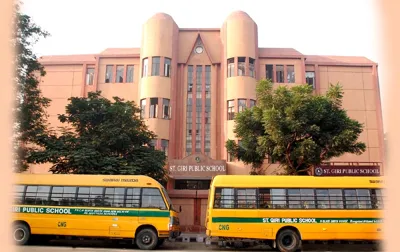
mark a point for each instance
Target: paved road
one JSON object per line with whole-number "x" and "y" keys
{"x": 171, "y": 247}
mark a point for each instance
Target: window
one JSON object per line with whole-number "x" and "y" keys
{"x": 145, "y": 67}
{"x": 155, "y": 66}
{"x": 109, "y": 73}
{"x": 190, "y": 184}
{"x": 19, "y": 194}
{"x": 208, "y": 78}
{"x": 167, "y": 67}
{"x": 264, "y": 198}
{"x": 329, "y": 198}
{"x": 251, "y": 67}
{"x": 151, "y": 198}
{"x": 90, "y": 196}
{"x": 310, "y": 78}
{"x": 89, "y": 76}
{"x": 279, "y": 74}
{"x": 37, "y": 195}
{"x": 224, "y": 198}
{"x": 269, "y": 72}
{"x": 350, "y": 196}
{"x": 129, "y": 73}
{"x": 63, "y": 196}
{"x": 153, "y": 107}
{"x": 142, "y": 108}
{"x": 114, "y": 197}
{"x": 252, "y": 103}
{"x": 301, "y": 198}
{"x": 290, "y": 74}
{"x": 241, "y": 66}
{"x": 246, "y": 198}
{"x": 377, "y": 198}
{"x": 364, "y": 199}
{"x": 199, "y": 75}
{"x": 190, "y": 78}
{"x": 231, "y": 67}
{"x": 132, "y": 197}
{"x": 279, "y": 198}
{"x": 231, "y": 109}
{"x": 153, "y": 143}
{"x": 119, "y": 78}
{"x": 166, "y": 109}
{"x": 164, "y": 146}
{"x": 241, "y": 105}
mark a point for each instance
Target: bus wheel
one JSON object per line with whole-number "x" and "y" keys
{"x": 21, "y": 233}
{"x": 288, "y": 241}
{"x": 146, "y": 239}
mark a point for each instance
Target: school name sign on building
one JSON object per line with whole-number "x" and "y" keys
{"x": 196, "y": 165}
{"x": 357, "y": 171}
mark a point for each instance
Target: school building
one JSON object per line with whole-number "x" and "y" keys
{"x": 191, "y": 82}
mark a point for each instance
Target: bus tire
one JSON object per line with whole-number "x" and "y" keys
{"x": 146, "y": 239}
{"x": 21, "y": 234}
{"x": 288, "y": 241}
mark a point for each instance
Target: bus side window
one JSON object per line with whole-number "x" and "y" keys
{"x": 114, "y": 197}
{"x": 351, "y": 198}
{"x": 279, "y": 198}
{"x": 217, "y": 198}
{"x": 246, "y": 198}
{"x": 19, "y": 194}
{"x": 151, "y": 198}
{"x": 364, "y": 199}
{"x": 322, "y": 198}
{"x": 132, "y": 198}
{"x": 264, "y": 198}
{"x": 377, "y": 199}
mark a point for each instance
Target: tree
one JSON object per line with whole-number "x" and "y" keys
{"x": 30, "y": 108}
{"x": 295, "y": 128}
{"x": 103, "y": 137}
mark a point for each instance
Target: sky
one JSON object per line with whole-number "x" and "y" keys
{"x": 313, "y": 27}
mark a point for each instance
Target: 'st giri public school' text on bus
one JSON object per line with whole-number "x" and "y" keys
{"x": 104, "y": 206}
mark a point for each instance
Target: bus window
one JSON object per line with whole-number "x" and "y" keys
{"x": 322, "y": 198}
{"x": 364, "y": 199}
{"x": 264, "y": 198}
{"x": 224, "y": 198}
{"x": 133, "y": 197}
{"x": 246, "y": 198}
{"x": 279, "y": 198}
{"x": 307, "y": 198}
{"x": 37, "y": 195}
{"x": 351, "y": 198}
{"x": 377, "y": 199}
{"x": 151, "y": 198}
{"x": 19, "y": 194}
{"x": 294, "y": 198}
{"x": 114, "y": 197}
{"x": 336, "y": 198}
{"x": 90, "y": 196}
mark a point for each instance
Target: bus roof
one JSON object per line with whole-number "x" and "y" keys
{"x": 279, "y": 181}
{"x": 86, "y": 180}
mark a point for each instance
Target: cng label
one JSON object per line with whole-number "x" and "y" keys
{"x": 223, "y": 227}
{"x": 62, "y": 224}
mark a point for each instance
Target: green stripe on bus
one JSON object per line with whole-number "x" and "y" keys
{"x": 295, "y": 220}
{"x": 89, "y": 211}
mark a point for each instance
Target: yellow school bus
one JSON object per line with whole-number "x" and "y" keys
{"x": 283, "y": 211}
{"x": 96, "y": 206}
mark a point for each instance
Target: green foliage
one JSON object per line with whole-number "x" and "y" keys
{"x": 30, "y": 106}
{"x": 104, "y": 137}
{"x": 296, "y": 128}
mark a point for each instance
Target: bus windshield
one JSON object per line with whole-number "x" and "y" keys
{"x": 169, "y": 201}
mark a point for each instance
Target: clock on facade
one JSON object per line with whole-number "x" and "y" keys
{"x": 198, "y": 49}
